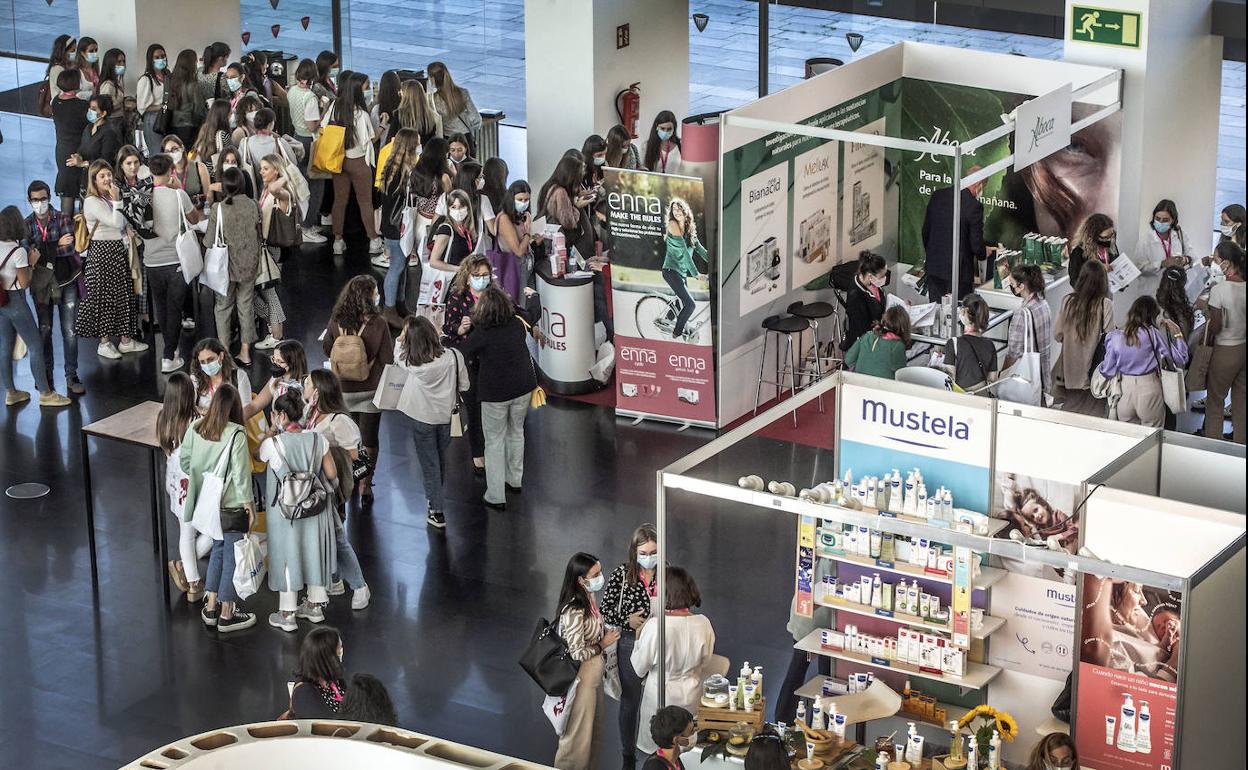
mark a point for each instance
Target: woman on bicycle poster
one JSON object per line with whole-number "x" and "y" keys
{"x": 678, "y": 265}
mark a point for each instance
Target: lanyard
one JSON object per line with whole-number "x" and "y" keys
{"x": 651, "y": 586}
{"x": 663, "y": 157}
{"x": 467, "y": 236}
{"x": 43, "y": 231}
{"x": 1166, "y": 243}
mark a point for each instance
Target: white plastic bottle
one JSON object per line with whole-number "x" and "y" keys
{"x": 994, "y": 751}
{"x": 1126, "y": 725}
{"x": 1143, "y": 735}
{"x": 914, "y": 746}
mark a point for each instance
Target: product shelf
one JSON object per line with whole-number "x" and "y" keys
{"x": 814, "y": 689}
{"x": 990, "y": 625}
{"x": 977, "y": 675}
{"x": 987, "y": 577}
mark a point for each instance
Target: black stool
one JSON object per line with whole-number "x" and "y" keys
{"x": 814, "y": 312}
{"x": 787, "y": 327}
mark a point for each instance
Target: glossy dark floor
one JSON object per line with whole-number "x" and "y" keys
{"x": 88, "y": 686}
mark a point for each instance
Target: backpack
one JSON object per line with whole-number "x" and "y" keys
{"x": 300, "y": 494}
{"x": 348, "y": 358}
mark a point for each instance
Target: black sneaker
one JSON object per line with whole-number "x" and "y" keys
{"x": 494, "y": 506}
{"x": 210, "y": 617}
{"x": 514, "y": 490}
{"x": 436, "y": 519}
{"x": 75, "y": 386}
{"x": 237, "y": 622}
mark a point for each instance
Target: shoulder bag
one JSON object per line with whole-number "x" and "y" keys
{"x": 163, "y": 118}
{"x": 1198, "y": 366}
{"x": 216, "y": 273}
{"x": 208, "y": 516}
{"x": 190, "y": 257}
{"x": 4, "y": 290}
{"x": 457, "y": 423}
{"x": 546, "y": 659}
{"x": 43, "y": 100}
{"x": 1173, "y": 389}
{"x": 83, "y": 236}
{"x": 537, "y": 398}
{"x": 1028, "y": 389}
{"x": 1098, "y": 353}
{"x": 329, "y": 149}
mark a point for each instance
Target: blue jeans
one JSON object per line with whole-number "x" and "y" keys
{"x": 15, "y": 320}
{"x": 348, "y": 567}
{"x": 220, "y": 578}
{"x": 67, "y": 308}
{"x": 677, "y": 283}
{"x": 392, "y": 286}
{"x": 150, "y": 136}
{"x": 431, "y": 444}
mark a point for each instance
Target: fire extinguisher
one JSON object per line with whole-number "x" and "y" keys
{"x": 628, "y": 107}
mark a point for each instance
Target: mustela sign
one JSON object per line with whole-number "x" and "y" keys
{"x": 917, "y": 425}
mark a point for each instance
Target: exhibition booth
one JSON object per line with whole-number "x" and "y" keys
{"x": 974, "y": 552}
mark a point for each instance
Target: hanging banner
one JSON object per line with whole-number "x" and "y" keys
{"x": 661, "y": 296}
{"x": 1128, "y": 675}
{"x": 805, "y": 604}
{"x": 1042, "y": 127}
{"x": 862, "y": 206}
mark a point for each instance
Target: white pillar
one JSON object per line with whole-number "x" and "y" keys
{"x": 573, "y": 69}
{"x": 133, "y": 25}
{"x": 1172, "y": 92}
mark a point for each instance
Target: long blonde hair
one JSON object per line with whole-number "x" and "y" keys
{"x": 403, "y": 157}
{"x": 451, "y": 95}
{"x": 414, "y": 108}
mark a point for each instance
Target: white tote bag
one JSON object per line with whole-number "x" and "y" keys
{"x": 207, "y": 514}
{"x": 390, "y": 388}
{"x": 557, "y": 707}
{"x": 409, "y": 231}
{"x": 216, "y": 275}
{"x": 1028, "y": 389}
{"x": 190, "y": 258}
{"x": 434, "y": 284}
{"x": 611, "y": 672}
{"x": 249, "y": 568}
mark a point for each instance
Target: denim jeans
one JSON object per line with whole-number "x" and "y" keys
{"x": 677, "y": 283}
{"x": 503, "y": 424}
{"x": 431, "y": 444}
{"x": 16, "y": 320}
{"x": 67, "y": 309}
{"x": 149, "y": 132}
{"x": 220, "y": 578}
{"x": 392, "y": 287}
{"x": 795, "y": 677}
{"x": 348, "y": 567}
{"x": 316, "y": 187}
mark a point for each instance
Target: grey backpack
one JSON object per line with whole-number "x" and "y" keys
{"x": 300, "y": 493}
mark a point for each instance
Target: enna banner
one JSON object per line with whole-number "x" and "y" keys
{"x": 661, "y": 297}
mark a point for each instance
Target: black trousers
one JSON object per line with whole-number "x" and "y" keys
{"x": 168, "y": 293}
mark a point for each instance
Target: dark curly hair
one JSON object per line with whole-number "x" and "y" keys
{"x": 355, "y": 308}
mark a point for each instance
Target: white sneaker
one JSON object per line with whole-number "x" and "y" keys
{"x": 133, "y": 346}
{"x": 377, "y": 246}
{"x": 312, "y": 613}
{"x": 268, "y": 343}
{"x": 360, "y": 598}
{"x": 188, "y": 324}
{"x": 337, "y": 589}
{"x": 168, "y": 366}
{"x": 381, "y": 260}
{"x": 313, "y": 236}
{"x": 326, "y": 220}
{"x": 340, "y": 246}
{"x": 107, "y": 350}
{"x": 283, "y": 621}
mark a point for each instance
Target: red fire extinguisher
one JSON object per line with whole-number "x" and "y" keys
{"x": 628, "y": 107}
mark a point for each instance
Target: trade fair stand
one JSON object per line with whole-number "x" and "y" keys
{"x": 1028, "y": 569}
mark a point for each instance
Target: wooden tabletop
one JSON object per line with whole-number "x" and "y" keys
{"x": 136, "y": 425}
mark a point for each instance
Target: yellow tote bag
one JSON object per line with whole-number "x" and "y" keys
{"x": 329, "y": 149}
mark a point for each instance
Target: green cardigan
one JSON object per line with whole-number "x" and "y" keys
{"x": 199, "y": 456}
{"x": 679, "y": 256}
{"x": 872, "y": 354}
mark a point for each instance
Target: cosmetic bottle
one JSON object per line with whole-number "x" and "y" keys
{"x": 1110, "y": 724}
{"x": 1143, "y": 735}
{"x": 876, "y": 543}
{"x": 877, "y": 591}
{"x": 907, "y": 498}
{"x": 972, "y": 752}
{"x": 1126, "y": 725}
{"x": 994, "y": 751}
{"x": 888, "y": 547}
{"x": 816, "y": 719}
{"x": 914, "y": 746}
{"x": 920, "y": 499}
{"x": 801, "y": 711}
{"x": 955, "y": 743}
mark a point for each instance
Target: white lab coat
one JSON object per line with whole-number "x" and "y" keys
{"x": 1150, "y": 253}
{"x": 690, "y": 644}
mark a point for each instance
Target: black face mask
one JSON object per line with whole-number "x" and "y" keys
{"x": 1106, "y": 242}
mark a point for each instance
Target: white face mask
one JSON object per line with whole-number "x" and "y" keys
{"x": 648, "y": 560}
{"x": 522, "y": 206}
{"x": 40, "y": 207}
{"x": 595, "y": 584}
{"x": 459, "y": 215}
{"x": 175, "y": 156}
{"x": 480, "y": 183}
{"x": 1227, "y": 230}
{"x": 685, "y": 743}
{"x": 251, "y": 116}
{"x": 228, "y": 166}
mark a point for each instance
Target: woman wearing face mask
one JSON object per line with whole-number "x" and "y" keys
{"x": 350, "y": 111}
{"x": 469, "y": 178}
{"x": 239, "y": 219}
{"x": 176, "y": 415}
{"x": 69, "y": 119}
{"x": 581, "y": 628}
{"x": 243, "y": 118}
{"x": 1134, "y": 352}
{"x": 112, "y": 81}
{"x": 1055, "y": 751}
{"x": 514, "y": 254}
{"x": 1083, "y": 320}
{"x": 214, "y": 135}
{"x": 290, "y": 369}
{"x": 239, "y": 87}
{"x": 457, "y": 236}
{"x": 358, "y": 312}
{"x": 971, "y": 359}
{"x": 454, "y": 104}
{"x": 1095, "y": 240}
{"x": 663, "y": 145}
{"x": 563, "y": 201}
{"x": 151, "y": 94}
{"x": 320, "y": 684}
{"x": 100, "y": 140}
{"x": 63, "y": 57}
{"x": 595, "y": 151}
{"x": 88, "y": 62}
{"x": 689, "y": 643}
{"x": 325, "y": 86}
{"x": 1163, "y": 243}
{"x": 472, "y": 278}
{"x": 1231, "y": 225}
{"x": 459, "y": 151}
{"x": 186, "y": 109}
{"x": 1226, "y": 332}
{"x": 212, "y": 367}
{"x": 629, "y": 599}
{"x": 230, "y": 159}
{"x": 675, "y": 732}
{"x": 867, "y": 299}
{"x": 1027, "y": 283}
{"x": 187, "y": 174}
{"x": 212, "y": 74}
{"x": 394, "y": 186}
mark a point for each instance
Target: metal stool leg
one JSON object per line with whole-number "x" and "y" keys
{"x": 792, "y": 366}
{"x": 818, "y": 361}
{"x": 762, "y": 364}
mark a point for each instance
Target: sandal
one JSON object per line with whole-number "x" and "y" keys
{"x": 195, "y": 591}
{"x": 178, "y": 576}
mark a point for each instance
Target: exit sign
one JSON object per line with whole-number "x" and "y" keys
{"x": 1105, "y": 26}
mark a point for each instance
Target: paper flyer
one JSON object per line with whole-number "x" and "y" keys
{"x": 862, "y": 204}
{"x": 1122, "y": 271}
{"x": 814, "y": 212}
{"x": 764, "y": 237}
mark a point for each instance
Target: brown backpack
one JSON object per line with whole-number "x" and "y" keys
{"x": 348, "y": 358}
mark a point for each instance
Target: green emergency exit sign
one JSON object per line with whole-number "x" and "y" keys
{"x": 1105, "y": 26}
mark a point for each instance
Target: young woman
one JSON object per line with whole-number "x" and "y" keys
{"x": 134, "y": 187}
{"x": 1171, "y": 297}
{"x": 867, "y": 300}
{"x": 63, "y": 57}
{"x": 454, "y": 104}
{"x": 88, "y": 62}
{"x": 673, "y": 730}
{"x": 1083, "y": 320}
{"x": 69, "y": 119}
{"x": 107, "y": 311}
{"x": 563, "y": 201}
{"x": 256, "y": 66}
{"x": 176, "y": 415}
{"x": 100, "y": 140}
{"x": 1226, "y": 332}
{"x": 688, "y": 646}
{"x": 621, "y": 152}
{"x": 367, "y": 701}
{"x": 505, "y": 380}
{"x": 581, "y": 628}
{"x": 881, "y": 352}
{"x": 1027, "y": 283}
{"x": 243, "y": 116}
{"x": 1163, "y": 243}
{"x": 1095, "y": 240}
{"x": 304, "y": 107}
{"x": 971, "y": 359}
{"x": 663, "y": 145}
{"x": 630, "y": 598}
{"x": 301, "y": 551}
{"x": 186, "y": 109}
{"x": 458, "y": 236}
{"x": 395, "y": 197}
{"x": 151, "y": 92}
{"x": 1055, "y": 751}
{"x": 1134, "y": 352}
{"x": 417, "y": 113}
{"x": 767, "y": 753}
{"x": 239, "y": 219}
{"x": 112, "y": 82}
{"x": 230, "y": 159}
{"x": 290, "y": 367}
{"x": 595, "y": 152}
{"x": 239, "y": 88}
{"x": 319, "y": 680}
{"x": 327, "y": 414}
{"x": 459, "y": 151}
{"x": 326, "y": 84}
{"x": 15, "y": 317}
{"x": 385, "y": 107}
{"x": 214, "y": 134}
{"x": 681, "y": 245}
{"x": 358, "y": 312}
{"x": 212, "y": 75}
{"x": 494, "y": 185}
{"x": 217, "y": 439}
{"x": 275, "y": 196}
{"x": 211, "y": 368}
{"x": 469, "y": 177}
{"x": 1231, "y": 225}
{"x": 441, "y": 375}
{"x": 351, "y": 112}
{"x": 514, "y": 253}
{"x": 188, "y": 174}
{"x": 472, "y": 278}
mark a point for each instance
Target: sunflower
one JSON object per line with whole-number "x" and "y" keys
{"x": 1007, "y": 726}
{"x": 982, "y": 710}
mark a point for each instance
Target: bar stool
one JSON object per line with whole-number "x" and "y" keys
{"x": 814, "y": 312}
{"x": 786, "y": 327}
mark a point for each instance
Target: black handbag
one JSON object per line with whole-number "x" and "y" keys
{"x": 234, "y": 520}
{"x": 548, "y": 661}
{"x": 284, "y": 229}
{"x": 164, "y": 119}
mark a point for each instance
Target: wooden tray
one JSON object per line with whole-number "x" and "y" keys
{"x": 725, "y": 719}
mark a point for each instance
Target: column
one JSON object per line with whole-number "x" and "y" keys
{"x": 1171, "y": 100}
{"x": 573, "y": 69}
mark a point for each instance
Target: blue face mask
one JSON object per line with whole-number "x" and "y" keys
{"x": 92, "y": 115}
{"x": 92, "y": 57}
{"x": 159, "y": 64}
{"x": 233, "y": 84}
{"x": 368, "y": 94}
{"x": 1161, "y": 227}
{"x": 71, "y": 56}
{"x": 212, "y": 368}
{"x": 479, "y": 282}
{"x": 120, "y": 69}
{"x": 522, "y": 206}
{"x": 663, "y": 134}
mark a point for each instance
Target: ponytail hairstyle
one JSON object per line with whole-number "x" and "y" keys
{"x": 897, "y": 321}
{"x": 289, "y": 405}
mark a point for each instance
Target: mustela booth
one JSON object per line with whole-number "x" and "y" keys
{"x": 976, "y": 553}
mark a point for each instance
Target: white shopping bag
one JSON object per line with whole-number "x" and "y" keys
{"x": 390, "y": 388}
{"x": 611, "y": 671}
{"x": 249, "y": 569}
{"x": 556, "y": 707}
{"x": 1027, "y": 389}
{"x": 433, "y": 285}
{"x": 216, "y": 275}
{"x": 207, "y": 514}
{"x": 602, "y": 368}
{"x": 190, "y": 258}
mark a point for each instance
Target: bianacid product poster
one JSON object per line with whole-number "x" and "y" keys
{"x": 661, "y": 296}
{"x": 862, "y": 206}
{"x": 1128, "y": 675}
{"x": 814, "y": 212}
{"x": 1039, "y": 619}
{"x": 764, "y": 237}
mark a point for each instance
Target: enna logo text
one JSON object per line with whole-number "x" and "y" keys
{"x": 919, "y": 423}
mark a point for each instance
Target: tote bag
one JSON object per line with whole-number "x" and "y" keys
{"x": 216, "y": 274}
{"x": 207, "y": 514}
{"x": 329, "y": 150}
{"x": 390, "y": 387}
{"x": 1028, "y": 389}
{"x": 190, "y": 257}
{"x": 1173, "y": 388}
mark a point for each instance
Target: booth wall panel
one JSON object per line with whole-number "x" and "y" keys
{"x": 1191, "y": 475}
{"x": 1139, "y": 475}
{"x": 1029, "y": 699}
{"x": 1043, "y": 448}
{"x": 1136, "y": 530}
